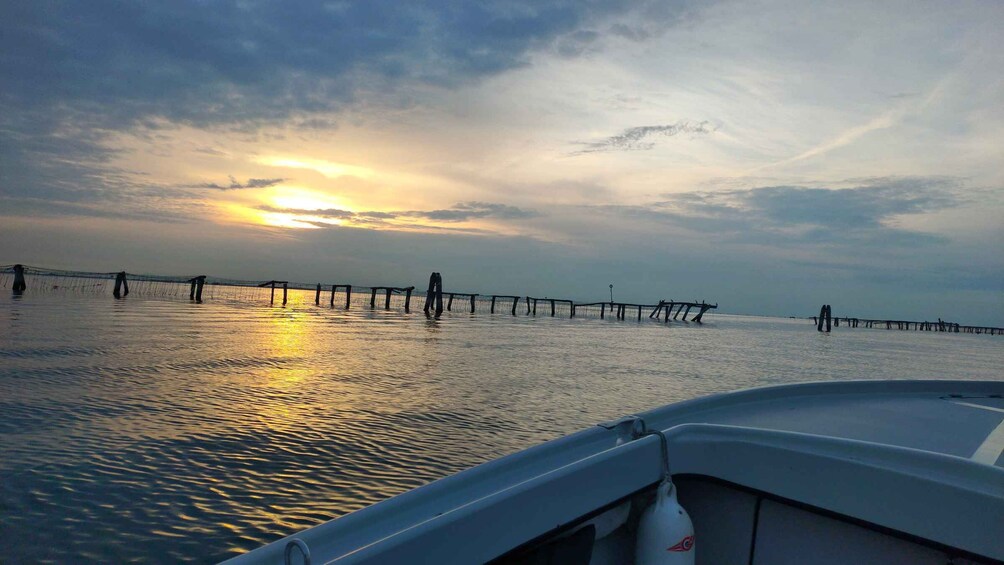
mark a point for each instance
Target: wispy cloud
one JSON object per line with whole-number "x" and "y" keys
{"x": 236, "y": 185}
{"x": 640, "y": 138}
{"x": 460, "y": 212}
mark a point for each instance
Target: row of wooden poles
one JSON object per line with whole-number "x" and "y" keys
{"x": 826, "y": 319}
{"x": 121, "y": 288}
{"x": 437, "y": 301}
{"x": 434, "y": 301}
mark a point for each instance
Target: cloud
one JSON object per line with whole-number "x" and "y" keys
{"x": 234, "y": 185}
{"x": 460, "y": 212}
{"x": 859, "y": 216}
{"x": 465, "y": 211}
{"x": 637, "y": 138}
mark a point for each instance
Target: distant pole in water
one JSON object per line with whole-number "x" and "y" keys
{"x": 121, "y": 285}
{"x": 19, "y": 284}
{"x": 825, "y": 318}
{"x": 317, "y": 296}
{"x": 200, "y": 281}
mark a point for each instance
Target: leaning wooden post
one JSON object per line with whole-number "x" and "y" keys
{"x": 285, "y": 292}
{"x": 473, "y": 296}
{"x": 449, "y": 303}
{"x": 407, "y": 299}
{"x": 669, "y": 310}
{"x": 333, "y": 287}
{"x": 200, "y": 281}
{"x": 19, "y": 284}
{"x": 493, "y": 304}
{"x": 317, "y": 295}
{"x": 829, "y": 312}
{"x": 527, "y": 305}
{"x": 348, "y": 295}
{"x": 373, "y": 298}
{"x": 386, "y": 302}
{"x": 191, "y": 293}
{"x": 687, "y": 313}
{"x": 515, "y": 303}
{"x": 822, "y": 317}
{"x": 429, "y": 293}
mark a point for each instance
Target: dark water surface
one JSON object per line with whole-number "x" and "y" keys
{"x": 156, "y": 430}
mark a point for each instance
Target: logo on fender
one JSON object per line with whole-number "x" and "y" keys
{"x": 686, "y": 544}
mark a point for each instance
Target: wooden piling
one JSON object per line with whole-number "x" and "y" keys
{"x": 120, "y": 285}
{"x": 822, "y": 316}
{"x": 191, "y": 292}
{"x": 285, "y": 293}
{"x": 271, "y": 300}
{"x": 552, "y": 308}
{"x": 317, "y": 295}
{"x": 687, "y": 313}
{"x": 407, "y": 299}
{"x": 493, "y": 304}
{"x": 348, "y": 295}
{"x": 829, "y": 313}
{"x": 333, "y": 287}
{"x": 449, "y": 303}
{"x": 19, "y": 283}
{"x": 603, "y": 309}
{"x": 439, "y": 295}
{"x": 639, "y": 312}
{"x": 473, "y": 296}
{"x": 386, "y": 302}
{"x": 200, "y": 282}
{"x": 515, "y": 303}
{"x": 372, "y": 298}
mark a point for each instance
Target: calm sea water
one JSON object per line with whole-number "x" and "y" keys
{"x": 156, "y": 430}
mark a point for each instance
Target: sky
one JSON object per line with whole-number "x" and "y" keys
{"x": 767, "y": 156}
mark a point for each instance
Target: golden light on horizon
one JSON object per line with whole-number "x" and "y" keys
{"x": 329, "y": 169}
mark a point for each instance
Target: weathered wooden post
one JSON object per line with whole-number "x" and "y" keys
{"x": 669, "y": 310}
{"x": 271, "y": 300}
{"x": 527, "y": 305}
{"x": 200, "y": 281}
{"x": 386, "y": 302}
{"x": 191, "y": 292}
{"x": 348, "y": 295}
{"x": 285, "y": 291}
{"x": 639, "y": 312}
{"x": 19, "y": 284}
{"x": 317, "y": 295}
{"x": 439, "y": 295}
{"x": 829, "y": 313}
{"x": 685, "y": 314}
{"x": 373, "y": 298}
{"x": 473, "y": 296}
{"x": 603, "y": 309}
{"x": 700, "y": 315}
{"x": 552, "y": 307}
{"x": 515, "y": 303}
{"x": 429, "y": 293}
{"x": 120, "y": 285}
{"x": 333, "y": 287}
{"x": 572, "y": 308}
{"x": 534, "y": 306}
{"x": 449, "y": 303}
{"x": 822, "y": 316}
{"x": 407, "y": 299}
{"x": 493, "y": 304}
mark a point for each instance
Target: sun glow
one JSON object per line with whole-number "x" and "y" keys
{"x": 329, "y": 169}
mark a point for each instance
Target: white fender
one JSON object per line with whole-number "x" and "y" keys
{"x": 665, "y": 532}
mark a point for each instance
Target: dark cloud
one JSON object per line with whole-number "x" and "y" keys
{"x": 235, "y": 185}
{"x": 464, "y": 211}
{"x": 796, "y": 215}
{"x": 636, "y": 138}
{"x": 323, "y": 213}
{"x": 460, "y": 212}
